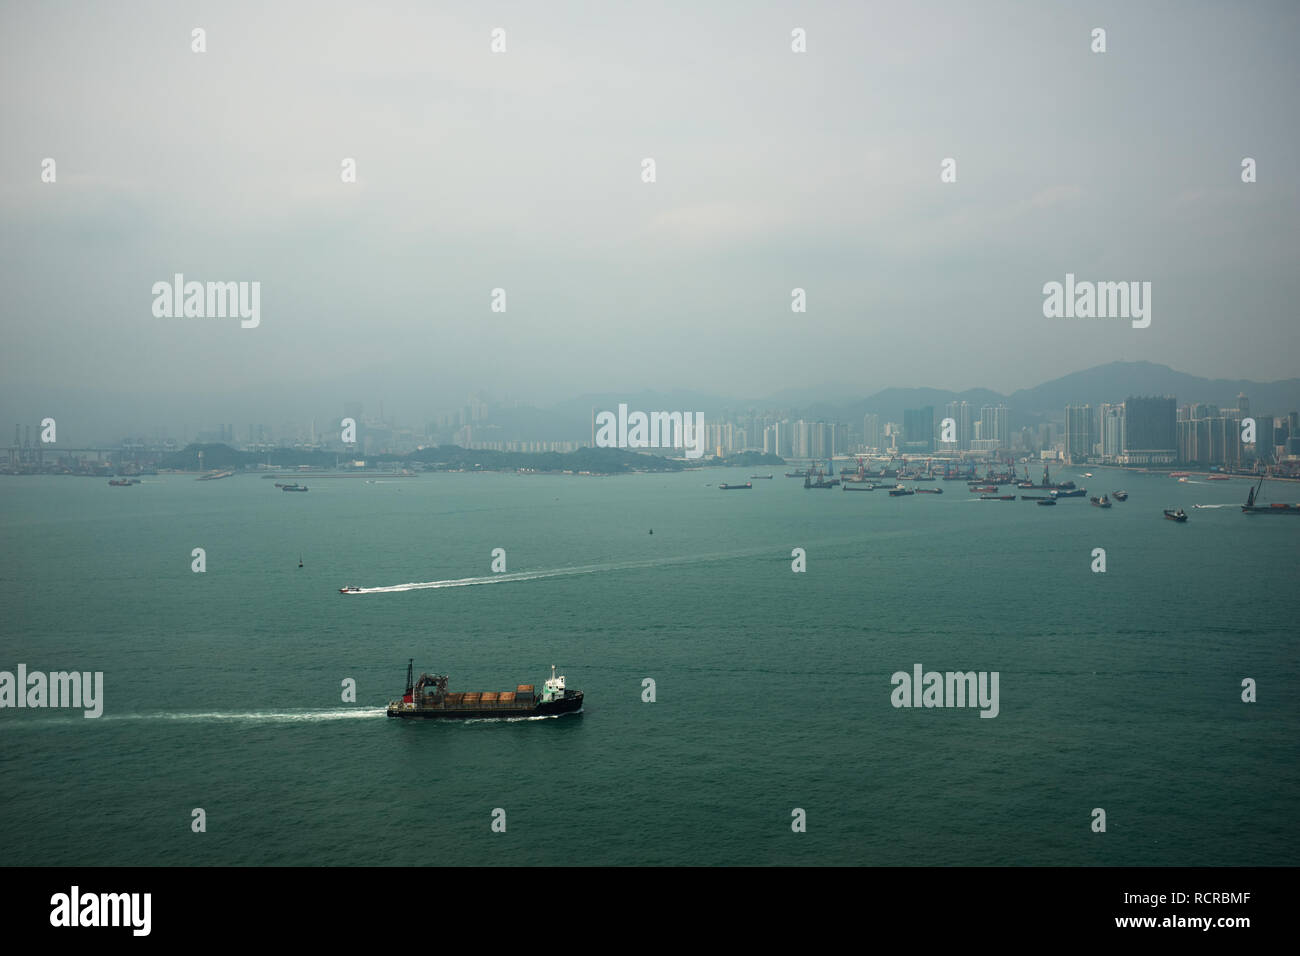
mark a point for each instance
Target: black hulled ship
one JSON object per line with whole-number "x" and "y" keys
{"x": 1251, "y": 508}
{"x": 427, "y": 698}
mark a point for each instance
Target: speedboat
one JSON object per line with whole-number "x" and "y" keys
{"x": 349, "y": 589}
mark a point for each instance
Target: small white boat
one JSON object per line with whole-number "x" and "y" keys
{"x": 350, "y": 589}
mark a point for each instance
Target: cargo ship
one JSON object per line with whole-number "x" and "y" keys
{"x": 997, "y": 497}
{"x": 735, "y": 487}
{"x": 1076, "y": 493}
{"x": 898, "y": 491}
{"x": 428, "y": 699}
{"x": 293, "y": 487}
{"x": 929, "y": 491}
{"x": 1251, "y": 508}
{"x": 821, "y": 482}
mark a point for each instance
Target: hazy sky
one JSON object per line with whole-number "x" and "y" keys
{"x": 522, "y": 170}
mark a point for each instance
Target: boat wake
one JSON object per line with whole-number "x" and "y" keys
{"x": 506, "y": 578}
{"x": 299, "y": 716}
{"x": 1215, "y": 506}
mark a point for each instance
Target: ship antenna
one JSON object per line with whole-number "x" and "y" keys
{"x": 410, "y": 670}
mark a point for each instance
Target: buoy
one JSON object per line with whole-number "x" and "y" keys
{"x": 652, "y": 530}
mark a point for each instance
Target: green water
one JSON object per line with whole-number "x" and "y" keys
{"x": 223, "y": 691}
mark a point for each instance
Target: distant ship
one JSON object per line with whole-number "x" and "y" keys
{"x": 1251, "y": 508}
{"x": 1119, "y": 495}
{"x": 213, "y": 476}
{"x": 293, "y": 487}
{"x": 796, "y": 474}
{"x": 929, "y": 491}
{"x": 735, "y": 487}
{"x": 1076, "y": 493}
{"x": 121, "y": 482}
{"x": 821, "y": 480}
{"x": 427, "y": 699}
{"x": 858, "y": 486}
{"x": 1045, "y": 501}
{"x": 349, "y": 589}
{"x": 899, "y": 491}
{"x": 761, "y": 477}
{"x": 997, "y": 497}
{"x": 1102, "y": 502}
{"x": 1219, "y": 478}
{"x": 1180, "y": 515}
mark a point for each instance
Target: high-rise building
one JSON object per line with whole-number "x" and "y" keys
{"x": 1150, "y": 430}
{"x": 918, "y": 429}
{"x": 871, "y": 431}
{"x": 994, "y": 425}
{"x": 1112, "y": 431}
{"x": 1078, "y": 432}
{"x": 962, "y": 414}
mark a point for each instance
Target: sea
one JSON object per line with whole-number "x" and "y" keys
{"x": 737, "y": 711}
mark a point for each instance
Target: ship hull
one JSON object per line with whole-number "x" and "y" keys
{"x": 571, "y": 703}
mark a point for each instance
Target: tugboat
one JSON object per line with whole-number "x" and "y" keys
{"x": 1180, "y": 515}
{"x": 427, "y": 698}
{"x": 349, "y": 589}
{"x": 1102, "y": 502}
{"x": 1119, "y": 495}
{"x": 898, "y": 491}
{"x": 735, "y": 487}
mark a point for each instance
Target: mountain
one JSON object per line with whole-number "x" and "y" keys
{"x": 1113, "y": 383}
{"x": 1118, "y": 380}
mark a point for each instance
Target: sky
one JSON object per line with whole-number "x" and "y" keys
{"x": 523, "y": 170}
